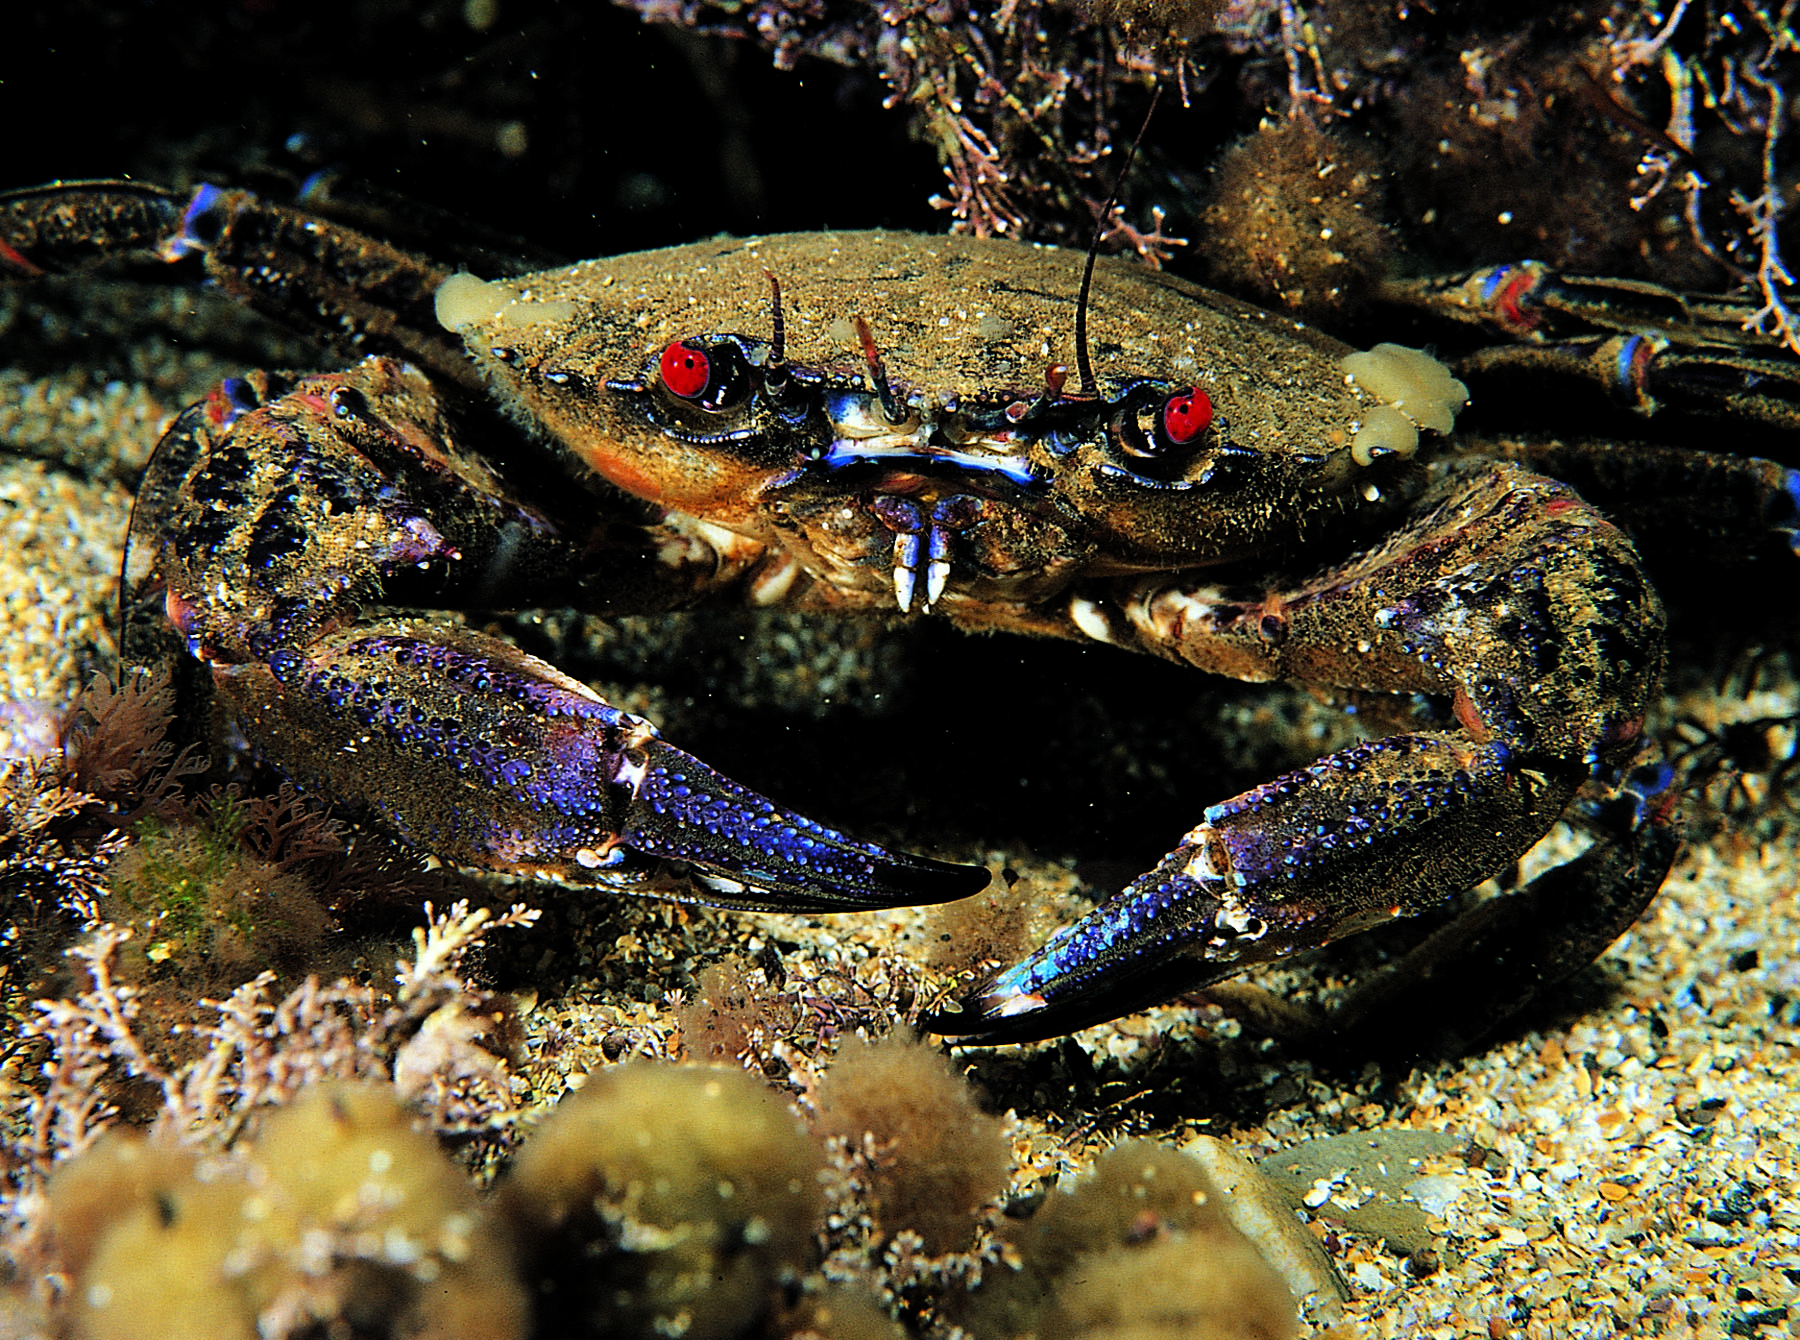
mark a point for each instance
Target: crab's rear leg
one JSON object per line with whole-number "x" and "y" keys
{"x": 1506, "y": 595}
{"x": 355, "y": 490}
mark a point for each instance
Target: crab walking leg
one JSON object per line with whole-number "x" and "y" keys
{"x": 353, "y": 291}
{"x": 293, "y": 516}
{"x": 1490, "y": 962}
{"x": 1506, "y": 594}
{"x": 1681, "y": 507}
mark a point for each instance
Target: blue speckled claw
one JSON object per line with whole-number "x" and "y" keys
{"x": 1542, "y": 694}
{"x": 743, "y": 851}
{"x": 1131, "y": 952}
{"x": 472, "y": 749}
{"x": 356, "y": 493}
{"x": 1373, "y": 832}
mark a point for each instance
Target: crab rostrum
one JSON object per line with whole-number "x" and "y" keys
{"x": 890, "y": 431}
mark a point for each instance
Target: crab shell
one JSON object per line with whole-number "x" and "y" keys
{"x": 962, "y": 324}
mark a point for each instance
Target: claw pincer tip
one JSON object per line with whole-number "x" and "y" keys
{"x": 1127, "y": 953}
{"x": 198, "y": 220}
{"x": 748, "y": 852}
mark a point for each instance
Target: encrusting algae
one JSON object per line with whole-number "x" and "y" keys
{"x": 657, "y": 1201}
{"x": 927, "y": 1157}
{"x": 662, "y": 1200}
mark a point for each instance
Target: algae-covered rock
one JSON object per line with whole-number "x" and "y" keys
{"x": 1139, "y": 1249}
{"x": 666, "y": 1201}
{"x": 1371, "y": 1175}
{"x": 1171, "y": 1288}
{"x": 1295, "y": 218}
{"x": 928, "y": 1156}
{"x": 144, "y": 1241}
{"x": 340, "y": 1215}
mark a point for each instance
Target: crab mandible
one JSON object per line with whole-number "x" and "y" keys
{"x": 879, "y": 435}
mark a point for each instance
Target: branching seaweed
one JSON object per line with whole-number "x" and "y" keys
{"x": 1718, "y": 75}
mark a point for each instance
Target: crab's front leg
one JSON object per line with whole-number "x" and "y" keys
{"x": 292, "y": 518}
{"x": 1505, "y": 594}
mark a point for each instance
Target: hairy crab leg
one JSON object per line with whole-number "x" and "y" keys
{"x": 292, "y": 517}
{"x": 65, "y": 225}
{"x": 1507, "y": 595}
{"x": 360, "y": 294}
{"x": 1680, "y": 507}
{"x": 1644, "y": 345}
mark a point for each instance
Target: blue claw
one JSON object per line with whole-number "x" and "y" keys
{"x": 1161, "y": 936}
{"x": 485, "y": 756}
{"x": 746, "y": 852}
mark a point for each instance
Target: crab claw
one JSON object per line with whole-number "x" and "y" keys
{"x": 1139, "y": 948}
{"x": 488, "y": 757}
{"x": 741, "y": 850}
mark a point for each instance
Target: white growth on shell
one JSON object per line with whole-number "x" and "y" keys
{"x": 463, "y": 300}
{"x": 1418, "y": 392}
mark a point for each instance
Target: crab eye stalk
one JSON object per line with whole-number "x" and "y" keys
{"x": 712, "y": 376}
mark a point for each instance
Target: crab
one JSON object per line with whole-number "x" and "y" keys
{"x": 884, "y": 425}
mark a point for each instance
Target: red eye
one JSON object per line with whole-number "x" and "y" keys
{"x": 685, "y": 370}
{"x": 1186, "y": 415}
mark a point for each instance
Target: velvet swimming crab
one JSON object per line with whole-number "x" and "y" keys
{"x": 884, "y": 425}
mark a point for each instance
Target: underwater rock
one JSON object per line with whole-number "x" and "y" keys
{"x": 338, "y": 1214}
{"x": 665, "y": 1201}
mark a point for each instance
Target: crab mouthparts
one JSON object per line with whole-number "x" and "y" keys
{"x": 921, "y": 534}
{"x": 927, "y": 439}
{"x": 924, "y": 531}
{"x": 936, "y": 472}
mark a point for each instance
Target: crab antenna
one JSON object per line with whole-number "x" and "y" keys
{"x": 878, "y": 381}
{"x": 775, "y": 370}
{"x": 1089, "y": 387}
{"x": 778, "y": 337}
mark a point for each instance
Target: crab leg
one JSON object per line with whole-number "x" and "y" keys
{"x": 1505, "y": 594}
{"x": 1680, "y": 507}
{"x": 1645, "y": 346}
{"x": 360, "y": 294}
{"x": 292, "y": 518}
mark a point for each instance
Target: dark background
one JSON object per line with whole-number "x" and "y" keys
{"x": 576, "y": 126}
